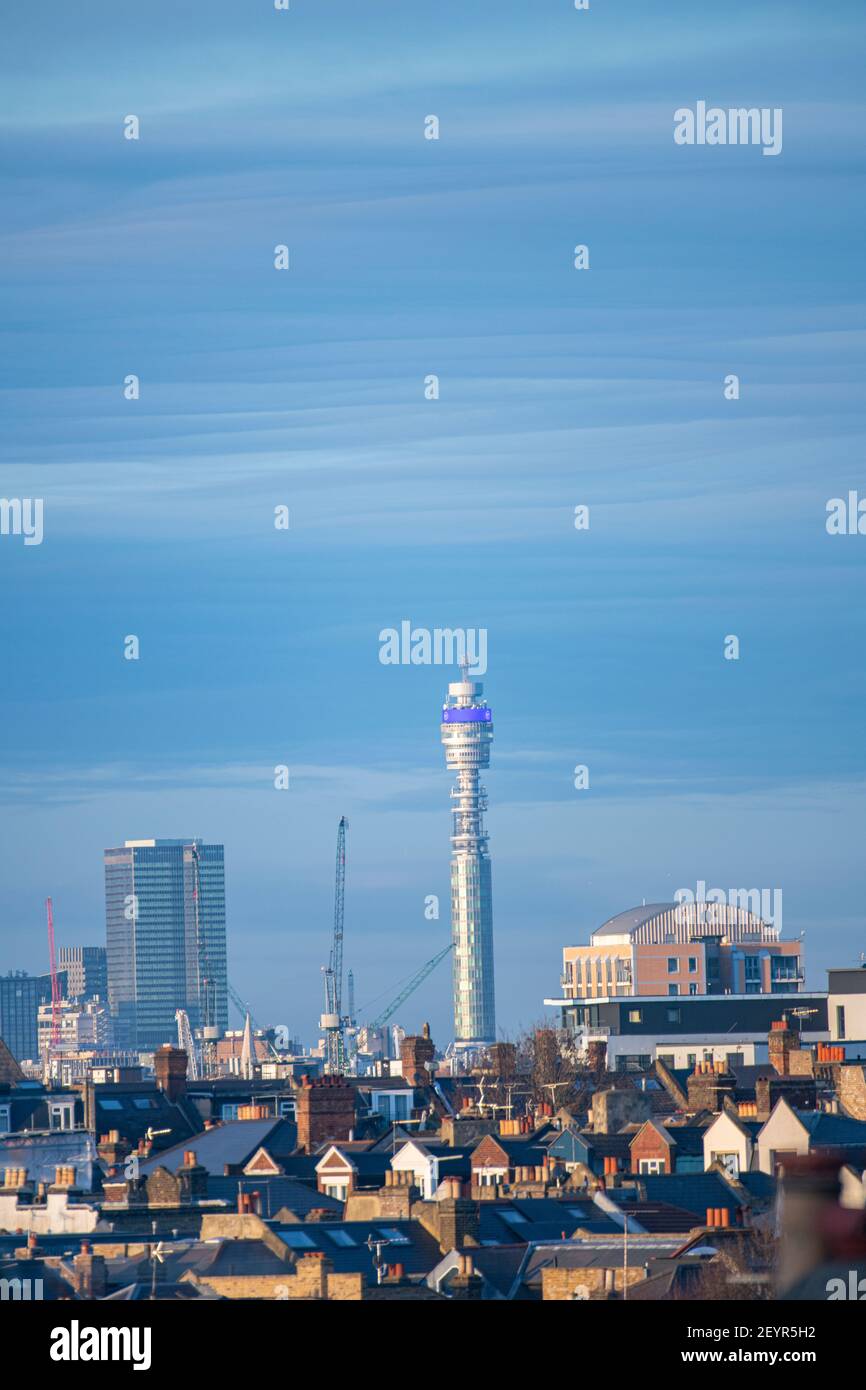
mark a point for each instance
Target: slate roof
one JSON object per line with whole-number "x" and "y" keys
{"x": 540, "y": 1218}
{"x": 833, "y": 1131}
{"x": 416, "y": 1249}
{"x": 746, "y": 1076}
{"x": 692, "y": 1192}
{"x": 277, "y": 1193}
{"x": 610, "y": 1145}
{"x": 138, "y": 1292}
{"x": 301, "y": 1167}
{"x": 41, "y": 1153}
{"x": 135, "y": 1107}
{"x": 370, "y": 1167}
{"x": 668, "y": 1279}
{"x": 393, "y": 1138}
{"x": 689, "y": 1139}
{"x": 233, "y": 1143}
{"x": 231, "y": 1257}
{"x": 498, "y": 1264}
{"x": 759, "y": 1184}
{"x": 10, "y": 1071}
{"x": 595, "y": 1254}
{"x": 660, "y": 1217}
{"x": 53, "y": 1284}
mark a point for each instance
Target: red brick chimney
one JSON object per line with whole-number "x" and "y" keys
{"x": 90, "y": 1277}
{"x": 325, "y": 1111}
{"x": 415, "y": 1053}
{"x": 783, "y": 1040}
{"x": 170, "y": 1066}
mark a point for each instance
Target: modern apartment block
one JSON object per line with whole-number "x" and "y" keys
{"x": 683, "y": 948}
{"x": 165, "y": 938}
{"x": 86, "y": 971}
{"x": 467, "y": 733}
{"x": 847, "y": 1004}
{"x": 628, "y": 1034}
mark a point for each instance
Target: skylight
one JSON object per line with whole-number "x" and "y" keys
{"x": 298, "y": 1240}
{"x": 394, "y": 1235}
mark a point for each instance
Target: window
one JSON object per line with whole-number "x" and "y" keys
{"x": 394, "y": 1235}
{"x": 785, "y": 967}
{"x": 673, "y": 989}
{"x": 729, "y": 1161}
{"x": 668, "y": 1058}
{"x": 693, "y": 989}
{"x": 674, "y": 1015}
{"x": 513, "y": 1218}
{"x": 635, "y": 1016}
{"x": 5, "y": 1118}
{"x": 651, "y": 1165}
{"x": 61, "y": 1117}
{"x": 840, "y": 1021}
{"x": 691, "y": 1060}
{"x": 109, "y": 1104}
{"x": 693, "y": 965}
{"x": 299, "y": 1240}
{"x": 341, "y": 1238}
{"x": 673, "y": 965}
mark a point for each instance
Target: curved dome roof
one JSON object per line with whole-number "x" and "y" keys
{"x": 625, "y": 923}
{"x": 655, "y": 922}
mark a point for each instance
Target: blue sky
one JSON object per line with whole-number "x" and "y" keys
{"x": 558, "y": 388}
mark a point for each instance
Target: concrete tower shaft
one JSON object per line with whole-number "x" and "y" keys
{"x": 467, "y": 733}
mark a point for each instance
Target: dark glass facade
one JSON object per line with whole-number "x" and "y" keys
{"x": 165, "y": 933}
{"x": 20, "y": 997}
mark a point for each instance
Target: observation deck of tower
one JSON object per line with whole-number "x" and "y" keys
{"x": 467, "y": 733}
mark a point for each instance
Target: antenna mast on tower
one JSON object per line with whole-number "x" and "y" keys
{"x": 332, "y": 1020}
{"x": 55, "y": 986}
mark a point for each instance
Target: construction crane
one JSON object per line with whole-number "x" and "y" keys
{"x": 55, "y": 986}
{"x": 207, "y": 984}
{"x": 186, "y": 1043}
{"x": 242, "y": 1008}
{"x": 417, "y": 979}
{"x": 332, "y": 1021}
{"x": 350, "y": 1017}
{"x": 206, "y": 978}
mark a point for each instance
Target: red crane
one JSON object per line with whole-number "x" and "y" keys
{"x": 55, "y": 984}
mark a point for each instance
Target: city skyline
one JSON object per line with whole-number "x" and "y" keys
{"x": 557, "y": 388}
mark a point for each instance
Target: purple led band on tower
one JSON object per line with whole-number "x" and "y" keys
{"x": 472, "y": 715}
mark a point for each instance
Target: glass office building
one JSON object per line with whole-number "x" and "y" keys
{"x": 467, "y": 732}
{"x": 20, "y": 997}
{"x": 86, "y": 969}
{"x": 165, "y": 938}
